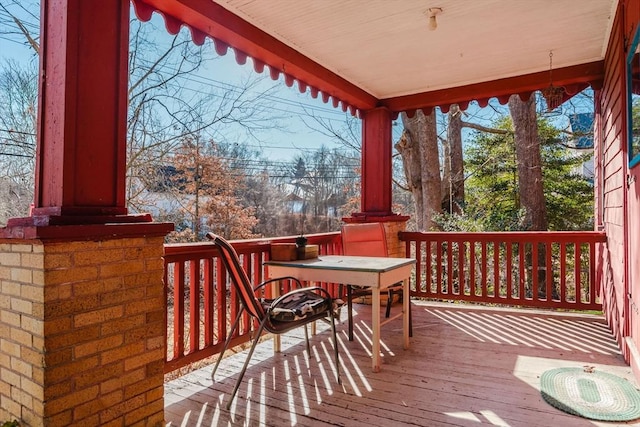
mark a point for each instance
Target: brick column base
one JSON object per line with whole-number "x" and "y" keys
{"x": 82, "y": 332}
{"x": 395, "y": 247}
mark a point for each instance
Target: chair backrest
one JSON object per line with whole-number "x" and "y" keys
{"x": 367, "y": 239}
{"x": 238, "y": 276}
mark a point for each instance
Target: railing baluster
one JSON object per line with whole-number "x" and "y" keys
{"x": 439, "y": 273}
{"x": 221, "y": 302}
{"x": 521, "y": 271}
{"x": 178, "y": 310}
{"x": 483, "y": 283}
{"x": 462, "y": 285}
{"x": 535, "y": 279}
{"x": 592, "y": 274}
{"x": 450, "y": 284}
{"x": 417, "y": 254}
{"x": 563, "y": 272}
{"x": 472, "y": 267}
{"x": 576, "y": 271}
{"x": 508, "y": 262}
{"x": 549, "y": 271}
{"x": 194, "y": 305}
{"x": 209, "y": 307}
{"x": 496, "y": 269}
{"x": 428, "y": 268}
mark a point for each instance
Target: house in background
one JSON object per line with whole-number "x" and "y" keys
{"x": 81, "y": 290}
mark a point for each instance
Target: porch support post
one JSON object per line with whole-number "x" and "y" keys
{"x": 375, "y": 191}
{"x": 82, "y": 115}
{"x": 82, "y": 331}
{"x": 376, "y": 163}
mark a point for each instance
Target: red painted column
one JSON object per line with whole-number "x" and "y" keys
{"x": 376, "y": 164}
{"x": 82, "y": 116}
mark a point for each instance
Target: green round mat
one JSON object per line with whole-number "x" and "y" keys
{"x": 588, "y": 394}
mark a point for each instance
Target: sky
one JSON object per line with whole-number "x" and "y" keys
{"x": 291, "y": 137}
{"x": 294, "y": 134}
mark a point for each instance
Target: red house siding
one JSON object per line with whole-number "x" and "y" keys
{"x": 612, "y": 208}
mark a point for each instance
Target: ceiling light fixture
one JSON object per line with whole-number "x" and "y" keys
{"x": 433, "y": 12}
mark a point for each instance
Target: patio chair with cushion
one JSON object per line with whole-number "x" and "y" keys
{"x": 294, "y": 309}
{"x": 367, "y": 239}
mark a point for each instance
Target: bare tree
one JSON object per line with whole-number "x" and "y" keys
{"x": 527, "y": 142}
{"x": 453, "y": 168}
{"x": 18, "y": 100}
{"x": 418, "y": 147}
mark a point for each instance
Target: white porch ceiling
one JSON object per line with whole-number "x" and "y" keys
{"x": 385, "y": 47}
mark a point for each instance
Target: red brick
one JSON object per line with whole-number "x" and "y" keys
{"x": 143, "y": 359}
{"x": 146, "y": 305}
{"x": 118, "y": 269}
{"x": 72, "y": 338}
{"x": 144, "y": 412}
{"x": 116, "y": 411}
{"x": 144, "y": 252}
{"x": 99, "y": 375}
{"x": 123, "y": 324}
{"x": 140, "y": 334}
{"x": 120, "y": 296}
{"x": 122, "y": 381}
{"x": 55, "y": 261}
{"x": 56, "y": 390}
{"x": 99, "y": 256}
{"x": 92, "y": 287}
{"x": 57, "y": 325}
{"x": 156, "y": 342}
{"x": 55, "y": 309}
{"x": 97, "y": 346}
{"x": 71, "y": 275}
{"x": 71, "y": 400}
{"x": 95, "y": 406}
{"x": 123, "y": 352}
{"x": 64, "y": 372}
{"x": 97, "y": 316}
{"x": 142, "y": 387}
{"x": 61, "y": 419}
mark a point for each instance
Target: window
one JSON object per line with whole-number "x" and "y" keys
{"x": 633, "y": 71}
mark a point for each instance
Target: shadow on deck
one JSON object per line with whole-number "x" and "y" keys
{"x": 467, "y": 366}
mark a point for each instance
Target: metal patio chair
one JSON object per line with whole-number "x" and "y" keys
{"x": 367, "y": 239}
{"x": 294, "y": 309}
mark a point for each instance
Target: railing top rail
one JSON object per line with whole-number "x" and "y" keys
{"x": 206, "y": 249}
{"x": 507, "y": 236}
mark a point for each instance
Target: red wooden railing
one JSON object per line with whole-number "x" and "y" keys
{"x": 536, "y": 269}
{"x": 200, "y": 302}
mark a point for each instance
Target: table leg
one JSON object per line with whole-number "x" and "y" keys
{"x": 275, "y": 293}
{"x": 405, "y": 313}
{"x": 375, "y": 326}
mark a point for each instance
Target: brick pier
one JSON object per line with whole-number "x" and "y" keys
{"x": 82, "y": 332}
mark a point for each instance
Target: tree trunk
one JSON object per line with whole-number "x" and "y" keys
{"x": 453, "y": 177}
{"x": 420, "y": 158}
{"x": 527, "y": 142}
{"x": 410, "y": 153}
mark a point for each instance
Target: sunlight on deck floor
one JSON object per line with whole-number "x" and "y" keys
{"x": 467, "y": 366}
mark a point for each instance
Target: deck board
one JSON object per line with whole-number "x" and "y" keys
{"x": 467, "y": 366}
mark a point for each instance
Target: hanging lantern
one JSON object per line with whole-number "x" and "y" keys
{"x": 552, "y": 95}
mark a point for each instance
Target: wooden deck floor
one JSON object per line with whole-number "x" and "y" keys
{"x": 467, "y": 366}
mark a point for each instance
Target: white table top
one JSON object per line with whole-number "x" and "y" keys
{"x": 345, "y": 262}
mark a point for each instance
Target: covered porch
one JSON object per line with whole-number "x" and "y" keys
{"x": 82, "y": 297}
{"x": 468, "y": 365}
